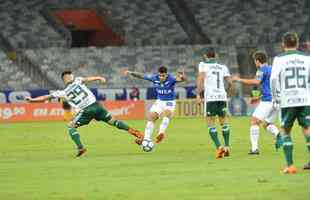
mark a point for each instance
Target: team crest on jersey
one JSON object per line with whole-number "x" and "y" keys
{"x": 259, "y": 73}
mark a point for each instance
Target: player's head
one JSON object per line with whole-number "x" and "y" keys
{"x": 209, "y": 53}
{"x": 290, "y": 40}
{"x": 67, "y": 76}
{"x": 162, "y": 73}
{"x": 259, "y": 58}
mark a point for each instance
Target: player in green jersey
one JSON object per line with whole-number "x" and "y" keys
{"x": 80, "y": 97}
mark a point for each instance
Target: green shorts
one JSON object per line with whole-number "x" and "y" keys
{"x": 216, "y": 108}
{"x": 289, "y": 115}
{"x": 94, "y": 111}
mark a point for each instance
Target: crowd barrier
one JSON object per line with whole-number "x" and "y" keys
{"x": 23, "y": 112}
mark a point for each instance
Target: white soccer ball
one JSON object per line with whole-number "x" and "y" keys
{"x": 147, "y": 145}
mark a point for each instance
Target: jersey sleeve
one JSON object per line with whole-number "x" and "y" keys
{"x": 274, "y": 80}
{"x": 173, "y": 79}
{"x": 201, "y": 67}
{"x": 58, "y": 94}
{"x": 149, "y": 77}
{"x": 226, "y": 71}
{"x": 275, "y": 70}
{"x": 78, "y": 80}
{"x": 259, "y": 75}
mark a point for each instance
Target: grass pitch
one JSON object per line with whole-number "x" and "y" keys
{"x": 37, "y": 162}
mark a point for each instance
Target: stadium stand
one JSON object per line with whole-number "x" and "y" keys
{"x": 12, "y": 78}
{"x": 145, "y": 22}
{"x": 154, "y": 35}
{"x": 25, "y": 28}
{"x": 244, "y": 22}
{"x": 111, "y": 60}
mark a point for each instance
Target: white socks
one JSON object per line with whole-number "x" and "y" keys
{"x": 148, "y": 130}
{"x": 273, "y": 130}
{"x": 150, "y": 127}
{"x": 164, "y": 124}
{"x": 254, "y": 135}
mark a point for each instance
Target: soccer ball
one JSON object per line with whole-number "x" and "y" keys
{"x": 147, "y": 145}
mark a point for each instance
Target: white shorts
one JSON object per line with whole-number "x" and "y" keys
{"x": 265, "y": 112}
{"x": 159, "y": 106}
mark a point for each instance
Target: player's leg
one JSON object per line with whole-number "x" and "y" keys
{"x": 270, "y": 115}
{"x": 306, "y": 131}
{"x": 288, "y": 116}
{"x": 254, "y": 135}
{"x": 167, "y": 115}
{"x": 149, "y": 128}
{"x": 270, "y": 127}
{"x": 81, "y": 118}
{"x": 225, "y": 127}
{"x": 103, "y": 115}
{"x": 210, "y": 118}
{"x": 257, "y": 117}
{"x": 304, "y": 122}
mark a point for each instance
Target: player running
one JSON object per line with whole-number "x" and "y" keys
{"x": 290, "y": 84}
{"x": 164, "y": 106}
{"x": 211, "y": 78}
{"x": 265, "y": 111}
{"x": 79, "y": 96}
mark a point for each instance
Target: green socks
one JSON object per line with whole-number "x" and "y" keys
{"x": 226, "y": 133}
{"x": 288, "y": 149}
{"x": 308, "y": 142}
{"x": 120, "y": 125}
{"x": 213, "y": 134}
{"x": 75, "y": 136}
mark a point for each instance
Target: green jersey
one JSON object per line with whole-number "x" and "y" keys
{"x": 76, "y": 94}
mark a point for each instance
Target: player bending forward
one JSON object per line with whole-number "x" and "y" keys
{"x": 265, "y": 111}
{"x": 164, "y": 106}
{"x": 211, "y": 78}
{"x": 79, "y": 96}
{"x": 290, "y": 84}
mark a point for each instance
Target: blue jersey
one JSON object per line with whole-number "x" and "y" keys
{"x": 165, "y": 90}
{"x": 263, "y": 75}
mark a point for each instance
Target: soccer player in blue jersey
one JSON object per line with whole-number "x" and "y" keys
{"x": 265, "y": 111}
{"x": 164, "y": 106}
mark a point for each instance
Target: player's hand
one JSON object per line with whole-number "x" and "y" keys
{"x": 28, "y": 99}
{"x": 198, "y": 99}
{"x": 103, "y": 80}
{"x": 235, "y": 78}
{"x": 125, "y": 72}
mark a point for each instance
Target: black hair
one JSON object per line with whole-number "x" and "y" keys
{"x": 65, "y": 73}
{"x": 209, "y": 52}
{"x": 162, "y": 69}
{"x": 290, "y": 40}
{"x": 260, "y": 56}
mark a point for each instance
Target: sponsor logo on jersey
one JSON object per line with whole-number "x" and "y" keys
{"x": 296, "y": 100}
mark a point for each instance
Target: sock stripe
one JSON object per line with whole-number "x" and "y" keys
{"x": 212, "y": 129}
{"x": 287, "y": 144}
{"x": 308, "y": 144}
{"x": 74, "y": 133}
{"x": 225, "y": 129}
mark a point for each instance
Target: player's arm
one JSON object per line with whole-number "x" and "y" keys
{"x": 93, "y": 78}
{"x": 181, "y": 77}
{"x": 134, "y": 74}
{"x": 229, "y": 82}
{"x": 200, "y": 81}
{"x": 275, "y": 72}
{"x": 39, "y": 98}
{"x": 246, "y": 81}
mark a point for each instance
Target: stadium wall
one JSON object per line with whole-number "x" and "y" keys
{"x": 125, "y": 110}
